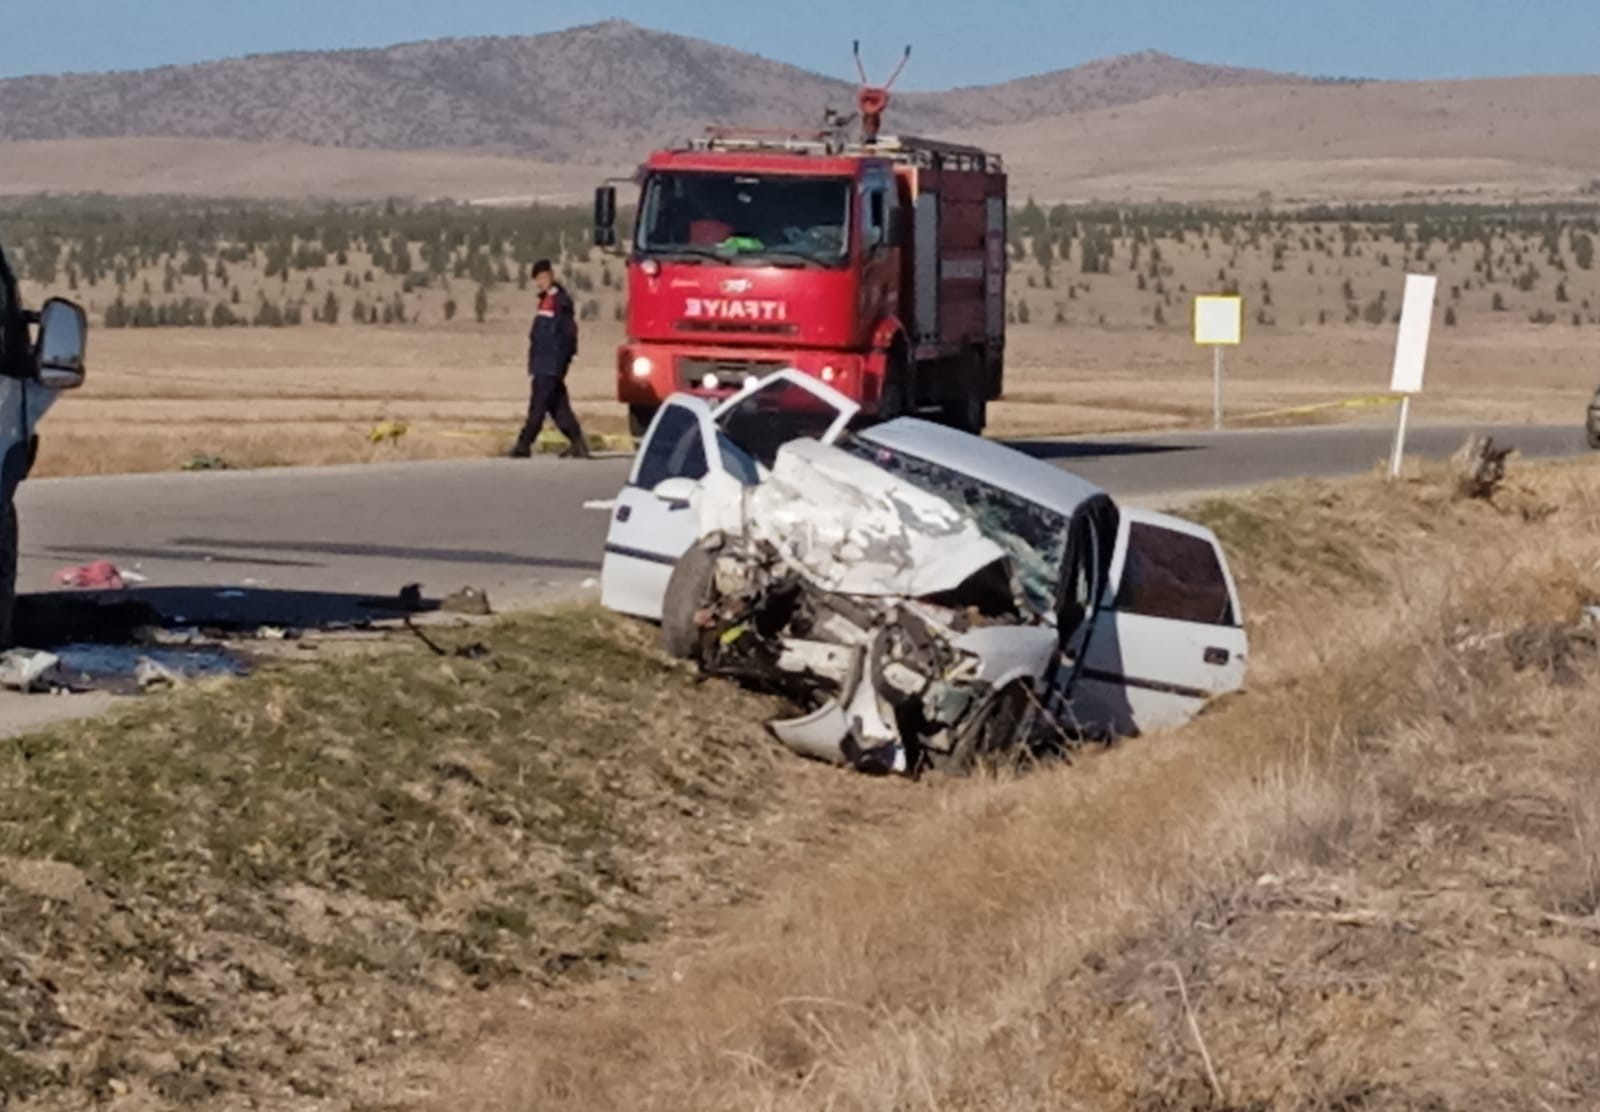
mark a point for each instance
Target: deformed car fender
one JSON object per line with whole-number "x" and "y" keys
{"x": 821, "y": 734}
{"x": 1008, "y": 653}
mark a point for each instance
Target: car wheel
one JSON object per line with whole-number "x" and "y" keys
{"x": 8, "y": 574}
{"x": 639, "y": 418}
{"x": 994, "y": 737}
{"x": 688, "y": 591}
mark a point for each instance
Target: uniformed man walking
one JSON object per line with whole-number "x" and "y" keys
{"x": 552, "y": 344}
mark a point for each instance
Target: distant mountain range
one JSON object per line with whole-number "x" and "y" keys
{"x": 509, "y": 120}
{"x": 588, "y": 95}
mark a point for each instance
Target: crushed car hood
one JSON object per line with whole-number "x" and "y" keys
{"x": 852, "y": 528}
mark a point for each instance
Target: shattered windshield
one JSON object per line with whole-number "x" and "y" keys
{"x": 1035, "y": 538}
{"x": 726, "y": 218}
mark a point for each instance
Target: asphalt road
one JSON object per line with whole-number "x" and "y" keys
{"x": 309, "y": 546}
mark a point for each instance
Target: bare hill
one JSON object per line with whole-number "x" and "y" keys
{"x": 269, "y": 171}
{"x": 584, "y": 95}
{"x": 1529, "y": 137}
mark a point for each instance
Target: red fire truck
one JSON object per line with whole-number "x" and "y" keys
{"x": 876, "y": 263}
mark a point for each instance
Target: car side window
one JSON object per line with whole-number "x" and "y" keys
{"x": 1175, "y": 576}
{"x": 676, "y": 450}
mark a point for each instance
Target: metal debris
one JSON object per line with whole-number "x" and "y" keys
{"x": 468, "y": 600}
{"x": 101, "y": 575}
{"x": 23, "y": 669}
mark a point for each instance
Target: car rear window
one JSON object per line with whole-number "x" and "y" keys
{"x": 1174, "y": 575}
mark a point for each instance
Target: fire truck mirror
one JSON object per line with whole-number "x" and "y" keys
{"x": 605, "y": 216}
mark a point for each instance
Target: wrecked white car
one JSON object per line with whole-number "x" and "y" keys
{"x": 925, "y": 596}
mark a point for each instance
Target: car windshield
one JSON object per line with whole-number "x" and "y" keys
{"x": 728, "y": 218}
{"x": 1034, "y": 537}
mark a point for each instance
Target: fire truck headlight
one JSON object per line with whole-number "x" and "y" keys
{"x": 643, "y": 367}
{"x": 829, "y": 374}
{"x": 750, "y": 382}
{"x": 709, "y": 382}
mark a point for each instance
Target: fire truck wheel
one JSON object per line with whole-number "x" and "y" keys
{"x": 639, "y": 418}
{"x": 896, "y": 400}
{"x": 968, "y": 410}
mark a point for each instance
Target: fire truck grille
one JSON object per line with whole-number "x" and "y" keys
{"x": 729, "y": 373}
{"x": 739, "y": 327}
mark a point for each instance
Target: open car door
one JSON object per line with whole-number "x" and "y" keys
{"x": 654, "y": 519}
{"x": 1168, "y": 637}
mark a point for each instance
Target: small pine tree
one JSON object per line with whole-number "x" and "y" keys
{"x": 1024, "y": 314}
{"x": 1450, "y": 319}
{"x": 330, "y": 309}
{"x": 1499, "y": 303}
{"x": 450, "y": 310}
{"x": 480, "y": 304}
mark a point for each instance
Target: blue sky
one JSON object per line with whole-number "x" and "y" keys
{"x": 957, "y": 41}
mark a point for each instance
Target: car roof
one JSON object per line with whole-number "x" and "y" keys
{"x": 986, "y": 460}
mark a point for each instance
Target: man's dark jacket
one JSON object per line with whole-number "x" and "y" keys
{"x": 553, "y": 342}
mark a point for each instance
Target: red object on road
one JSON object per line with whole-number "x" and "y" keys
{"x": 102, "y": 575}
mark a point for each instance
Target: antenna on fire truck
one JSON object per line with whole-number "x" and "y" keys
{"x": 874, "y": 99}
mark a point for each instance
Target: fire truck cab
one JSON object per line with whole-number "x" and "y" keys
{"x": 877, "y": 264}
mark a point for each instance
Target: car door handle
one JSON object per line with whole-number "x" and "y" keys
{"x": 1218, "y": 657}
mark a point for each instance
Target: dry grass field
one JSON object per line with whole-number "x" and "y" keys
{"x": 502, "y": 879}
{"x": 1371, "y": 881}
{"x": 1517, "y": 338}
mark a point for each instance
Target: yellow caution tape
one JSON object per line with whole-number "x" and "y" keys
{"x": 1367, "y": 401}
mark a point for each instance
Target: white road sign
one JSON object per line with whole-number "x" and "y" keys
{"x": 1416, "y": 325}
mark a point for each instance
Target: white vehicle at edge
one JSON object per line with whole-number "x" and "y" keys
{"x": 1140, "y": 605}
{"x": 33, "y": 372}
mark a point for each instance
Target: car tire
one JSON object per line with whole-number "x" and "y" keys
{"x": 688, "y": 591}
{"x": 8, "y": 574}
{"x": 639, "y": 418}
{"x": 994, "y": 738}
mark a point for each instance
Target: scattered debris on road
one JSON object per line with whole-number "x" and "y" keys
{"x": 101, "y": 575}
{"x": 469, "y": 600}
{"x": 24, "y": 669}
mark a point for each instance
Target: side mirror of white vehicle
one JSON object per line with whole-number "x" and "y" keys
{"x": 63, "y": 342}
{"x": 676, "y": 491}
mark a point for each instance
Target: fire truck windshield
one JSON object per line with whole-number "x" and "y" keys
{"x": 732, "y": 218}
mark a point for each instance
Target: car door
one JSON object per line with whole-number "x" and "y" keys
{"x": 1168, "y": 637}
{"x": 654, "y": 519}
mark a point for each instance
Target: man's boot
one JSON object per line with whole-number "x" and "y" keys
{"x": 520, "y": 450}
{"x": 578, "y": 449}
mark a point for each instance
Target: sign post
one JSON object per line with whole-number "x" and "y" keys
{"x": 1411, "y": 354}
{"x": 1218, "y": 324}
